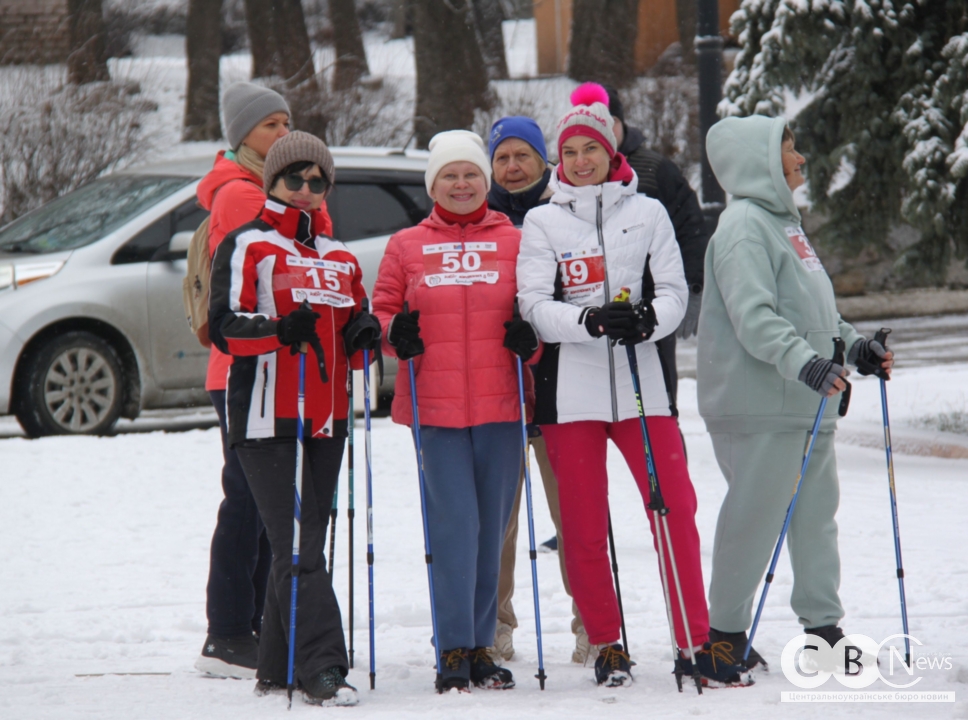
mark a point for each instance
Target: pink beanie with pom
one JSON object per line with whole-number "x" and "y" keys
{"x": 589, "y": 117}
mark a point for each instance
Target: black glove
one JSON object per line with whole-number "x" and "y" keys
{"x": 299, "y": 326}
{"x": 363, "y": 332}
{"x": 622, "y": 321}
{"x": 645, "y": 322}
{"x": 404, "y": 335}
{"x": 520, "y": 338}
{"x": 820, "y": 375}
{"x": 615, "y": 319}
{"x": 868, "y": 355}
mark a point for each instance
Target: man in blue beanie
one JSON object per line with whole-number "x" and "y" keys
{"x": 519, "y": 163}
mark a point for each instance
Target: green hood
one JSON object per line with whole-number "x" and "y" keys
{"x": 744, "y": 153}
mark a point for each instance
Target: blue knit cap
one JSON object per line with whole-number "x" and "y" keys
{"x": 516, "y": 126}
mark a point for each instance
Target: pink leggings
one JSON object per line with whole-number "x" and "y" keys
{"x": 577, "y": 453}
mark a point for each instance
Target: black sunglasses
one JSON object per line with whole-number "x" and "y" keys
{"x": 294, "y": 183}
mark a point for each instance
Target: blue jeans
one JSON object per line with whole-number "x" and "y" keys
{"x": 472, "y": 475}
{"x": 240, "y": 555}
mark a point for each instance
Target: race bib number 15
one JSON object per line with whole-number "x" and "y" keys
{"x": 582, "y": 273}
{"x": 321, "y": 282}
{"x": 460, "y": 263}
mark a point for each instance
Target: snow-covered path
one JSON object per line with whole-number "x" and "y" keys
{"x": 105, "y": 555}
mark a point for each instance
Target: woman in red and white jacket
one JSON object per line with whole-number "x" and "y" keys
{"x": 456, "y": 269}
{"x": 277, "y": 282}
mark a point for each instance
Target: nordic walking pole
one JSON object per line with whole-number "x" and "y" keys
{"x": 881, "y": 337}
{"x": 659, "y": 513}
{"x": 618, "y": 588}
{"x": 296, "y": 517}
{"x": 369, "y": 505}
{"x": 350, "y": 511}
{"x": 807, "y": 452}
{"x": 527, "y": 487}
{"x": 428, "y": 556}
{"x": 332, "y": 532}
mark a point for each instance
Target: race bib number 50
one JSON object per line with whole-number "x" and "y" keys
{"x": 582, "y": 273}
{"x": 321, "y": 282}
{"x": 460, "y": 263}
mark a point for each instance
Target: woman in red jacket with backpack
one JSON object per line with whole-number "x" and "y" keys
{"x": 456, "y": 271}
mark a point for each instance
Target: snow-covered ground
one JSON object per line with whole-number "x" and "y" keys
{"x": 105, "y": 546}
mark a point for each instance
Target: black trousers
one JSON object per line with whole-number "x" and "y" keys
{"x": 240, "y": 555}
{"x": 270, "y": 467}
{"x": 666, "y": 347}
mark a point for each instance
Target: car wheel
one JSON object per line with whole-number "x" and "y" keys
{"x": 72, "y": 386}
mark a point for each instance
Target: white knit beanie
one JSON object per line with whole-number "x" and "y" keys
{"x": 456, "y": 146}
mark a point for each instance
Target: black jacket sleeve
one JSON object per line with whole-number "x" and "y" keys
{"x": 684, "y": 210}
{"x": 660, "y": 178}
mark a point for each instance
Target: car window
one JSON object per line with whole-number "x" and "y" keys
{"x": 188, "y": 217}
{"x": 87, "y": 214}
{"x": 152, "y": 242}
{"x": 362, "y": 210}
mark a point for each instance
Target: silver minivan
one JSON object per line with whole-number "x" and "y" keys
{"x": 92, "y": 326}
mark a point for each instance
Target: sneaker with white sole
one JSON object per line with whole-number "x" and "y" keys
{"x": 233, "y": 657}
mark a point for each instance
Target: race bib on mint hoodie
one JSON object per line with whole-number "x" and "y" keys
{"x": 804, "y": 249}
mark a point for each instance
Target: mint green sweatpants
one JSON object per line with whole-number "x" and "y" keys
{"x": 761, "y": 471}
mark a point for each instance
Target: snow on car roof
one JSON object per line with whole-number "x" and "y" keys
{"x": 364, "y": 158}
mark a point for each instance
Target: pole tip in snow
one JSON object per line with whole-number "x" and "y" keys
{"x": 372, "y": 681}
{"x": 541, "y": 677}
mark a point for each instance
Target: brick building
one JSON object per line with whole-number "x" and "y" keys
{"x": 33, "y": 31}
{"x": 657, "y": 30}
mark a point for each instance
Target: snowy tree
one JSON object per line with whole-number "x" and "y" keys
{"x": 884, "y": 128}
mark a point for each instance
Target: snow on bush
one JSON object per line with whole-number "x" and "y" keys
{"x": 55, "y": 137}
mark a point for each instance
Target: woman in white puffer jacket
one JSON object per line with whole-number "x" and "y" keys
{"x": 599, "y": 264}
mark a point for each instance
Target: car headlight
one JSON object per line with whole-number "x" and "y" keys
{"x": 21, "y": 274}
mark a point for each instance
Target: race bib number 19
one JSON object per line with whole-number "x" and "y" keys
{"x": 321, "y": 282}
{"x": 460, "y": 263}
{"x": 582, "y": 273}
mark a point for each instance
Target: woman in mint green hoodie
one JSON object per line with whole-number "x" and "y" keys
{"x": 765, "y": 338}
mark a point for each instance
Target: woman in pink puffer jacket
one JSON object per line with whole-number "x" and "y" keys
{"x": 456, "y": 272}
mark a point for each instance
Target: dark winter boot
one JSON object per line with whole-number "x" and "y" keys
{"x": 231, "y": 657}
{"x": 268, "y": 687}
{"x": 455, "y": 671}
{"x": 738, "y": 641}
{"x": 329, "y": 688}
{"x": 831, "y": 633}
{"x": 486, "y": 674}
{"x": 716, "y": 667}
{"x": 613, "y": 667}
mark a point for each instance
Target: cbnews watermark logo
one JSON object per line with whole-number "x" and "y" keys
{"x": 857, "y": 662}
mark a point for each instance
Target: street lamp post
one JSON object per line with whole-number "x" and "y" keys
{"x": 709, "y": 52}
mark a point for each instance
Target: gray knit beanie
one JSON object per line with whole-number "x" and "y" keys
{"x": 295, "y": 147}
{"x": 245, "y": 105}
